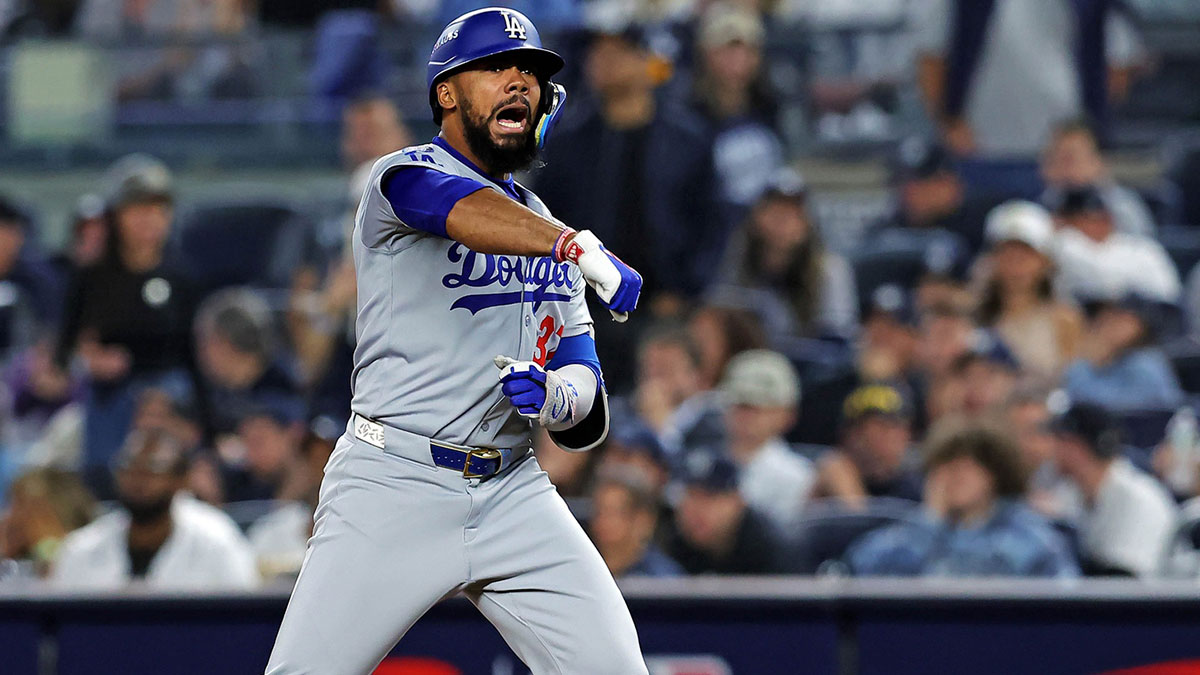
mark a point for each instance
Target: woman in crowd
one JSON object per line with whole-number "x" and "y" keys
{"x": 778, "y": 263}
{"x": 129, "y": 316}
{"x": 1018, "y": 299}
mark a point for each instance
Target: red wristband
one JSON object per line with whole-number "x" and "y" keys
{"x": 562, "y": 251}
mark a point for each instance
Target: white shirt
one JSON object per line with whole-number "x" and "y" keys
{"x": 204, "y": 552}
{"x": 778, "y": 482}
{"x": 1131, "y": 523}
{"x": 1120, "y": 264}
{"x": 280, "y": 538}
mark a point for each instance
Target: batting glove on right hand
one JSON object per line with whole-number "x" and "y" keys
{"x": 616, "y": 284}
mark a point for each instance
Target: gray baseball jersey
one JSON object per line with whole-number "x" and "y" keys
{"x": 432, "y": 314}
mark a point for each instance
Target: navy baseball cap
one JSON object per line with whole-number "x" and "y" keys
{"x": 917, "y": 159}
{"x": 710, "y": 471}
{"x": 636, "y": 438}
{"x": 893, "y": 301}
{"x": 1090, "y": 423}
{"x": 987, "y": 346}
{"x": 1080, "y": 200}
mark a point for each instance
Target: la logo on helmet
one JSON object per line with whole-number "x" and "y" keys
{"x": 513, "y": 26}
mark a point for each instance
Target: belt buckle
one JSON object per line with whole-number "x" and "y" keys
{"x": 481, "y": 453}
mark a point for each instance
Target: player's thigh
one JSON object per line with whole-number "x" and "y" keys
{"x": 552, "y": 597}
{"x": 386, "y": 545}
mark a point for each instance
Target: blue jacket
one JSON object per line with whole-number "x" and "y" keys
{"x": 1015, "y": 541}
{"x": 1139, "y": 380}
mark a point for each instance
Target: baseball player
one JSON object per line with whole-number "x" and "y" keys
{"x": 472, "y": 326}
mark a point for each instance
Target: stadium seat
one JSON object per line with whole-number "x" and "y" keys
{"x": 829, "y": 528}
{"x": 257, "y": 244}
{"x": 1183, "y": 245}
{"x": 899, "y": 257}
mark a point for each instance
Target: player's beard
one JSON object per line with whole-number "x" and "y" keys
{"x": 516, "y": 154}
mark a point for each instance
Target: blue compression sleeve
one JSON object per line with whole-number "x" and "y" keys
{"x": 579, "y": 349}
{"x": 422, "y": 198}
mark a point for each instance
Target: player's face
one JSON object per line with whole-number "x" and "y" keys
{"x": 499, "y": 100}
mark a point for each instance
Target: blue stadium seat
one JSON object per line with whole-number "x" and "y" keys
{"x": 829, "y": 527}
{"x": 254, "y": 243}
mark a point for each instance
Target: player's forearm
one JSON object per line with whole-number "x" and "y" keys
{"x": 489, "y": 222}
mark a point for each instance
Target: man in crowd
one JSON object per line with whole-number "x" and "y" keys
{"x": 1120, "y": 366}
{"x": 762, "y": 392}
{"x": 1095, "y": 260}
{"x": 237, "y": 356}
{"x": 874, "y": 458}
{"x": 647, "y": 188}
{"x": 623, "y": 522}
{"x": 1072, "y": 160}
{"x": 973, "y": 522}
{"x": 930, "y": 196}
{"x": 670, "y": 397}
{"x": 263, "y": 461}
{"x": 1128, "y": 518}
{"x": 715, "y": 531}
{"x": 160, "y": 536}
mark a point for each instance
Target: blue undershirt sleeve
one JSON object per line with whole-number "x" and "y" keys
{"x": 422, "y": 197}
{"x": 579, "y": 349}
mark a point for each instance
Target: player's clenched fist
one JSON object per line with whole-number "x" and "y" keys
{"x": 618, "y": 285}
{"x": 538, "y": 393}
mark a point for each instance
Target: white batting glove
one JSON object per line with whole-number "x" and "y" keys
{"x": 616, "y": 284}
{"x": 537, "y": 393}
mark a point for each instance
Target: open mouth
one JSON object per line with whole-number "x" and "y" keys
{"x": 513, "y": 117}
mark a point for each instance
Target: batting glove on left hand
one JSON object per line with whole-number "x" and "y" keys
{"x": 538, "y": 393}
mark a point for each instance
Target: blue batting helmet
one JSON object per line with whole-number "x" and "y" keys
{"x": 487, "y": 32}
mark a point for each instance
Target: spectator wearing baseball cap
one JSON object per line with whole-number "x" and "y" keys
{"x": 263, "y": 460}
{"x": 973, "y": 521}
{"x": 1120, "y": 365}
{"x": 715, "y": 532}
{"x": 1129, "y": 518}
{"x": 1018, "y": 300}
{"x": 777, "y": 259}
{"x": 762, "y": 392}
{"x": 1072, "y": 159}
{"x": 623, "y": 522}
{"x": 930, "y": 195}
{"x": 1095, "y": 260}
{"x": 981, "y": 379}
{"x": 874, "y": 457}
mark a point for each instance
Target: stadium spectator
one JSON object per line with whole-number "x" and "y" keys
{"x": 731, "y": 92}
{"x": 715, "y": 531}
{"x": 238, "y": 356}
{"x": 720, "y": 333}
{"x": 1018, "y": 300}
{"x": 888, "y": 345}
{"x": 1072, "y": 160}
{"x": 974, "y": 523}
{"x": 371, "y": 128}
{"x": 1027, "y": 414}
{"x": 89, "y": 234}
{"x": 1097, "y": 261}
{"x": 929, "y": 195}
{"x": 30, "y": 287}
{"x": 670, "y": 397}
{"x": 44, "y": 506}
{"x": 996, "y": 77}
{"x": 874, "y": 458}
{"x": 280, "y": 537}
{"x": 980, "y": 381}
{"x": 160, "y": 537}
{"x": 778, "y": 262}
{"x": 623, "y": 523}
{"x": 1120, "y": 366}
{"x": 633, "y": 446}
{"x": 1128, "y": 517}
{"x": 129, "y": 317}
{"x": 947, "y": 333}
{"x": 264, "y": 461}
{"x": 762, "y": 392}
{"x": 648, "y": 187}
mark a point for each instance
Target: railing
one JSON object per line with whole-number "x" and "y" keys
{"x": 699, "y": 626}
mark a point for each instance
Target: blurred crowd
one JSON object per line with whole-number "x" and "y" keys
{"x": 999, "y": 379}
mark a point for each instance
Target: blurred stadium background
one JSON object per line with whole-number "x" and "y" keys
{"x": 912, "y": 388}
